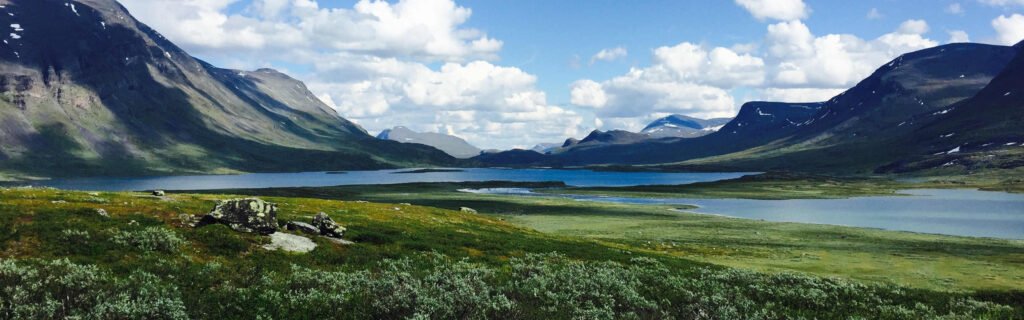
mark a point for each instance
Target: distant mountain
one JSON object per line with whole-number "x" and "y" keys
{"x": 546, "y": 147}
{"x": 680, "y": 126}
{"x": 451, "y": 145}
{"x": 874, "y": 123}
{"x": 88, "y": 90}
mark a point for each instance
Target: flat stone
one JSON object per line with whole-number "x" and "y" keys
{"x": 290, "y": 242}
{"x": 301, "y": 226}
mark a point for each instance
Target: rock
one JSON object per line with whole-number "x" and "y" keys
{"x": 327, "y": 226}
{"x": 244, "y": 215}
{"x": 301, "y": 226}
{"x": 58, "y": 201}
{"x": 158, "y": 193}
{"x": 467, "y": 210}
{"x": 405, "y": 204}
{"x": 290, "y": 242}
{"x": 102, "y": 213}
{"x": 94, "y": 194}
{"x": 133, "y": 223}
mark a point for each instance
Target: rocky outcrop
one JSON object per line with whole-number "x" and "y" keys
{"x": 327, "y": 226}
{"x": 250, "y": 215}
{"x": 302, "y": 227}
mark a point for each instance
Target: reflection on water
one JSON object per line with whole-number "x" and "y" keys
{"x": 942, "y": 211}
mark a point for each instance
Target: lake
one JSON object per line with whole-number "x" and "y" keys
{"x": 582, "y": 178}
{"x": 958, "y": 212}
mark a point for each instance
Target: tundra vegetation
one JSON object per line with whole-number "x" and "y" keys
{"x": 60, "y": 259}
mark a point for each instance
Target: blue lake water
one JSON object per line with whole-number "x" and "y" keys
{"x": 583, "y": 178}
{"x": 959, "y": 212}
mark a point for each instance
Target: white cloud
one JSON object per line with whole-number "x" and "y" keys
{"x": 610, "y": 54}
{"x": 588, "y": 93}
{"x": 874, "y": 14}
{"x": 958, "y": 36}
{"x": 685, "y": 78}
{"x": 776, "y": 9}
{"x": 421, "y": 29}
{"x": 955, "y": 8}
{"x": 1009, "y": 29}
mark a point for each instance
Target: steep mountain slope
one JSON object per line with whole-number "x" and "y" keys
{"x": 451, "y": 145}
{"x": 984, "y": 131}
{"x": 680, "y": 126}
{"x": 871, "y": 124}
{"x": 88, "y": 90}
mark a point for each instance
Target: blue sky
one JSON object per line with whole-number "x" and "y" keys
{"x": 514, "y": 73}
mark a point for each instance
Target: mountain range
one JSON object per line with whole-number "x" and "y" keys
{"x": 88, "y": 90}
{"x": 452, "y": 145}
{"x": 920, "y": 106}
{"x": 681, "y": 126}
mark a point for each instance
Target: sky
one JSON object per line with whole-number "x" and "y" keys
{"x": 511, "y": 74}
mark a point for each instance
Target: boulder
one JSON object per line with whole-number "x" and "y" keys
{"x": 467, "y": 210}
{"x": 290, "y": 242}
{"x": 327, "y": 226}
{"x": 301, "y": 226}
{"x": 250, "y": 215}
{"x": 102, "y": 213}
{"x": 158, "y": 193}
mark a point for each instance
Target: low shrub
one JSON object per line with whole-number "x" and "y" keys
{"x": 151, "y": 239}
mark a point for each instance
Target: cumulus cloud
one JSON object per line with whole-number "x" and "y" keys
{"x": 958, "y": 36}
{"x": 610, "y": 54}
{"x": 795, "y": 66}
{"x": 1002, "y": 2}
{"x": 776, "y": 9}
{"x": 1009, "y": 29}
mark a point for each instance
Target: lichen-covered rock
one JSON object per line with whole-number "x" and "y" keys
{"x": 102, "y": 213}
{"x": 302, "y": 227}
{"x": 250, "y": 215}
{"x": 327, "y": 226}
{"x": 158, "y": 193}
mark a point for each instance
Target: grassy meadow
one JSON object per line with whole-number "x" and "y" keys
{"x": 416, "y": 255}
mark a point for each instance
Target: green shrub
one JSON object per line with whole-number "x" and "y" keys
{"x": 150, "y": 239}
{"x": 62, "y": 290}
{"x": 220, "y": 240}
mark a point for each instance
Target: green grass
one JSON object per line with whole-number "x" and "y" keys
{"x": 919, "y": 260}
{"x": 522, "y": 258}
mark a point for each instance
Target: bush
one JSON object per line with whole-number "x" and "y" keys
{"x": 150, "y": 239}
{"x": 62, "y": 290}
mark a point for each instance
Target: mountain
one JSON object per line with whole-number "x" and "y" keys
{"x": 983, "y": 131}
{"x": 546, "y": 147}
{"x": 680, "y": 126}
{"x": 861, "y": 129}
{"x": 88, "y": 90}
{"x": 451, "y": 145}
{"x": 873, "y": 123}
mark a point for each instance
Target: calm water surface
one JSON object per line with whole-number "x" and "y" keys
{"x": 953, "y": 212}
{"x": 584, "y": 178}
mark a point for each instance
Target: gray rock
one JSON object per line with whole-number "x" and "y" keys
{"x": 250, "y": 215}
{"x": 102, "y": 213}
{"x": 301, "y": 226}
{"x": 467, "y": 210}
{"x": 290, "y": 242}
{"x": 327, "y": 226}
{"x": 158, "y": 193}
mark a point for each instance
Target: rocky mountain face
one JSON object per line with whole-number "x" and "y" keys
{"x": 88, "y": 90}
{"x": 680, "y": 126}
{"x": 452, "y": 145}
